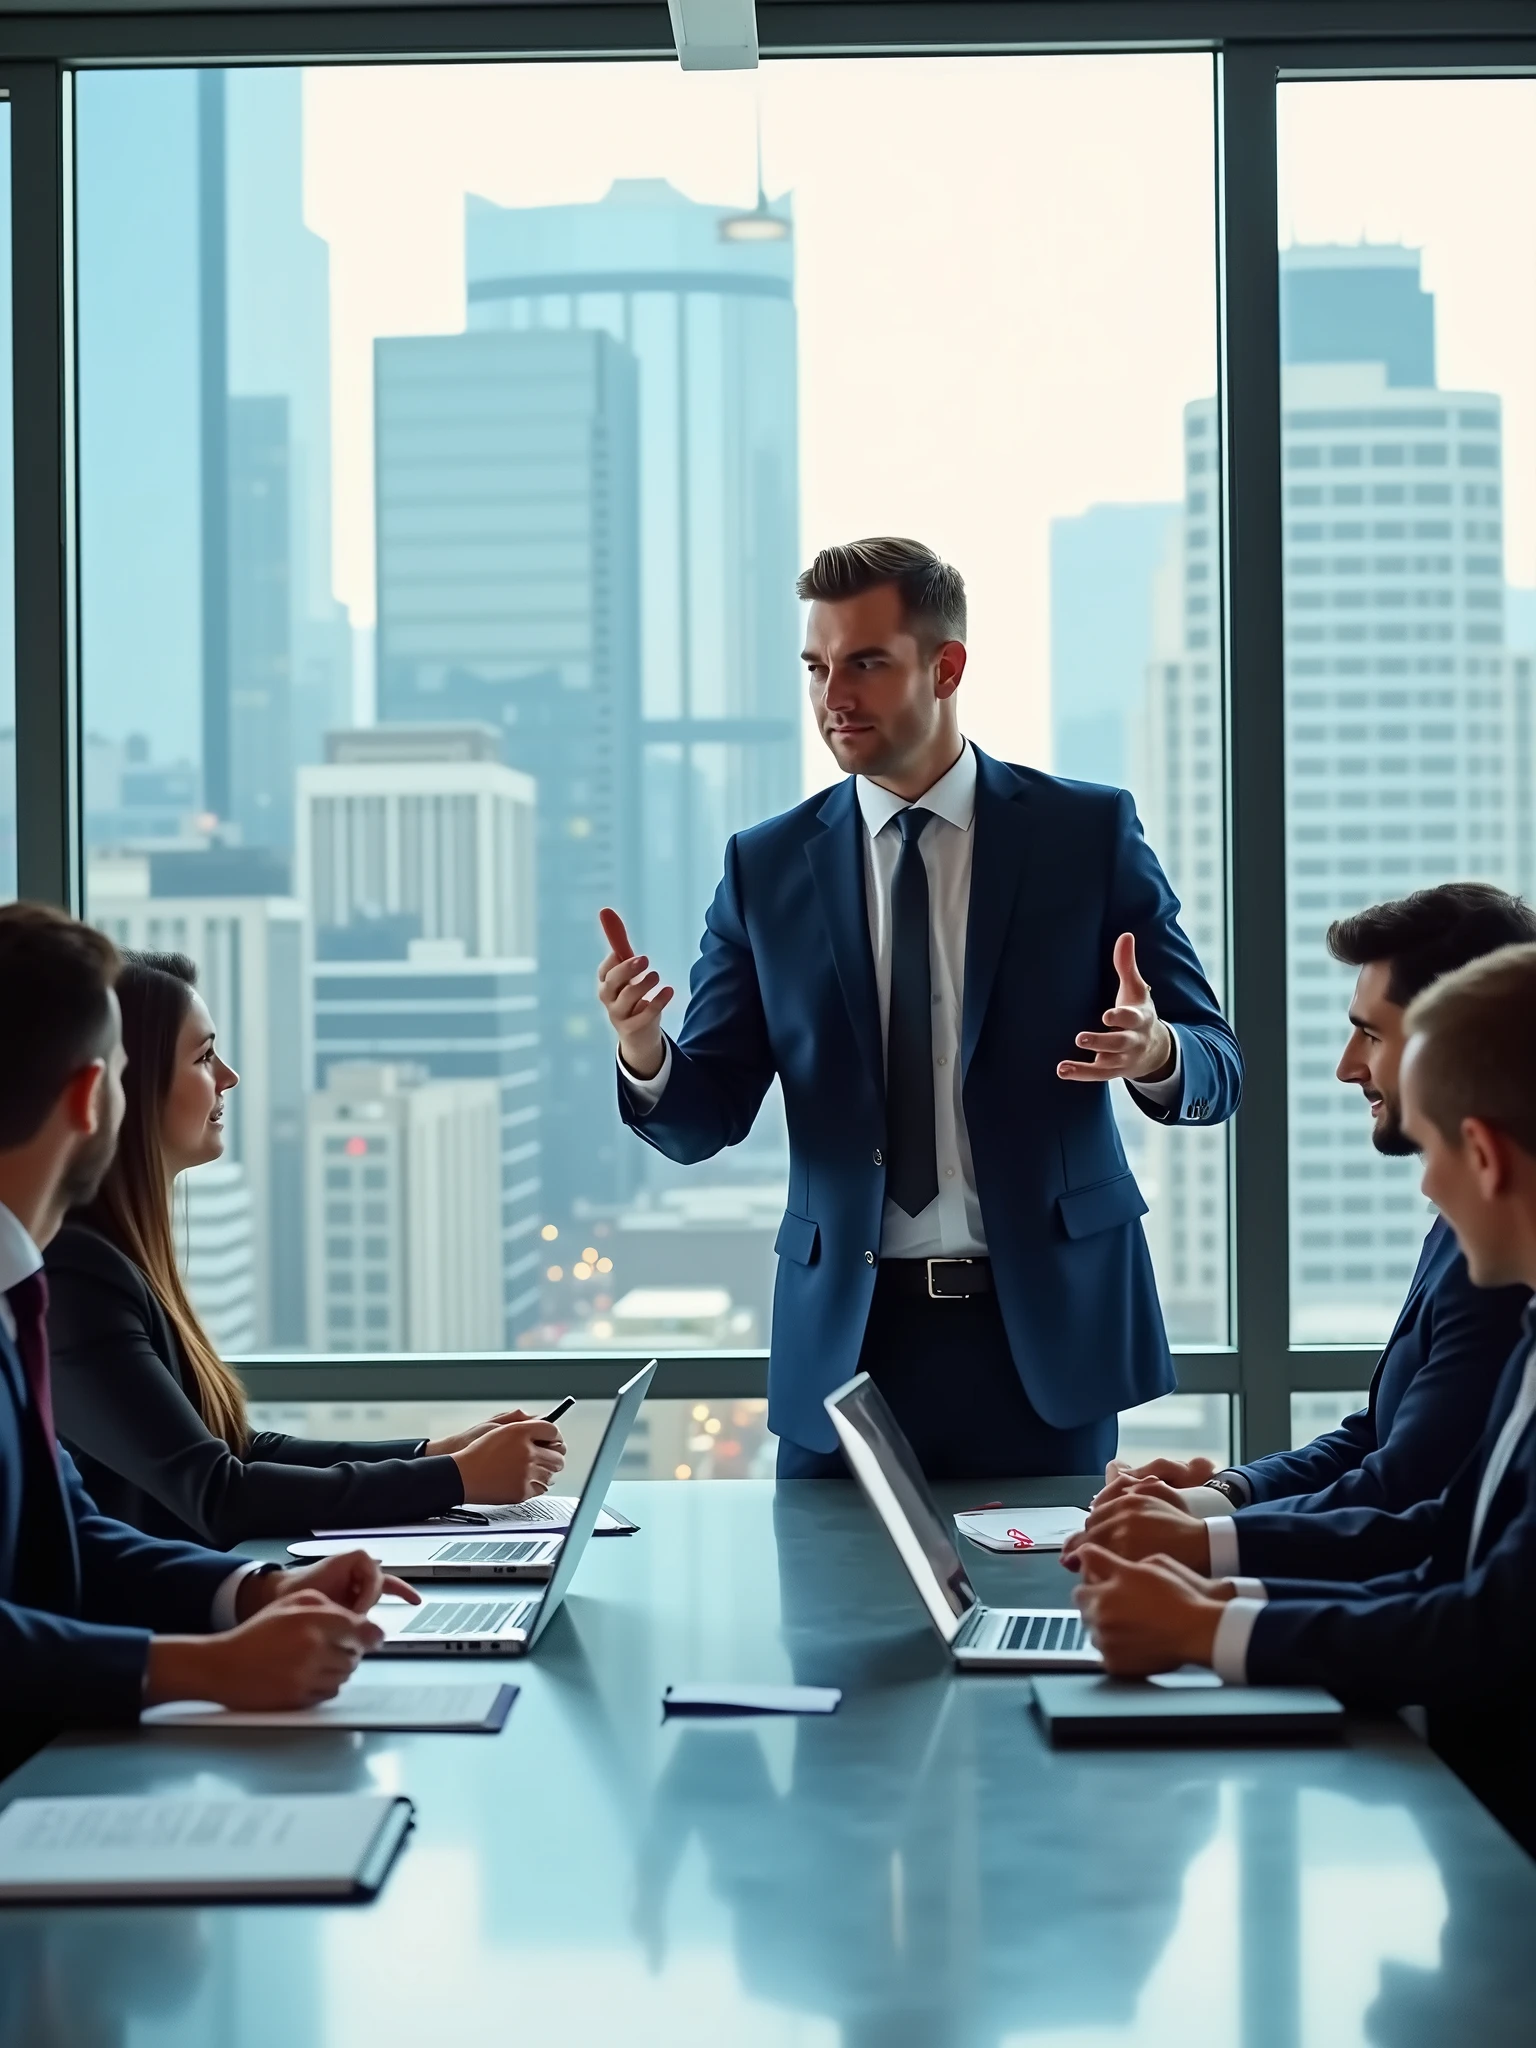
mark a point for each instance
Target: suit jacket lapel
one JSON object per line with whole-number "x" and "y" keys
{"x": 40, "y": 1470}
{"x": 1002, "y": 831}
{"x": 836, "y": 856}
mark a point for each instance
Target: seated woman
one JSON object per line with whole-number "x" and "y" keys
{"x": 153, "y": 1416}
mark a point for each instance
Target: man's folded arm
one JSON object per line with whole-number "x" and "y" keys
{"x": 715, "y": 1074}
{"x": 167, "y": 1588}
{"x": 71, "y": 1672}
{"x": 1351, "y": 1544}
{"x": 1284, "y": 1478}
{"x": 1142, "y": 902}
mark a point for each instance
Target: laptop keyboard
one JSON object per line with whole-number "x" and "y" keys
{"x": 1045, "y": 1632}
{"x": 490, "y": 1550}
{"x": 466, "y": 1617}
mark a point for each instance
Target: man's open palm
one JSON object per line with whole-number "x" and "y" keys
{"x": 1135, "y": 1044}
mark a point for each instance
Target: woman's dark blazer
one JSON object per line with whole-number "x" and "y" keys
{"x": 122, "y": 1402}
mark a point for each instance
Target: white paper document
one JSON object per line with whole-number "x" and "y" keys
{"x": 472, "y": 1706}
{"x": 548, "y": 1515}
{"x": 308, "y": 1845}
{"x": 1021, "y": 1528}
{"x": 750, "y": 1699}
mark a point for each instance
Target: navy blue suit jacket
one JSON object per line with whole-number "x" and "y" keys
{"x": 79, "y": 1594}
{"x": 1428, "y": 1404}
{"x": 785, "y": 986}
{"x": 1382, "y": 1609}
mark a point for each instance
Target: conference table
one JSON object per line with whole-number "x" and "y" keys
{"x": 918, "y": 1870}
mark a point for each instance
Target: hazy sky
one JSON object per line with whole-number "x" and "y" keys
{"x": 1005, "y": 272}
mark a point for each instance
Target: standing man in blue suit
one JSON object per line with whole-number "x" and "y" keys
{"x": 1433, "y": 1384}
{"x": 943, "y": 961}
{"x": 1435, "y": 1607}
{"x": 96, "y": 1620}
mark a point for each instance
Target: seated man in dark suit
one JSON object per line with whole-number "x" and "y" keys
{"x": 1433, "y": 1383}
{"x": 96, "y": 1620}
{"x": 1434, "y": 1607}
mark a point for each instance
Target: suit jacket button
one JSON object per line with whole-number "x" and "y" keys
{"x": 879, "y": 1157}
{"x": 869, "y": 1258}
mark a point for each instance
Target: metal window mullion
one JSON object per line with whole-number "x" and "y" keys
{"x": 1255, "y": 626}
{"x": 42, "y": 294}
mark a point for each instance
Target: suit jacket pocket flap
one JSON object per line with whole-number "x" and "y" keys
{"x": 797, "y": 1239}
{"x": 1100, "y": 1207}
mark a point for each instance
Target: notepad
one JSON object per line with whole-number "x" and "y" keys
{"x": 750, "y": 1699}
{"x": 1021, "y": 1528}
{"x": 549, "y": 1513}
{"x": 310, "y": 1845}
{"x": 468, "y": 1707}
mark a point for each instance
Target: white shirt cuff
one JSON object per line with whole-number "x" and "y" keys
{"x": 1222, "y": 1531}
{"x": 1165, "y": 1093}
{"x": 1205, "y": 1502}
{"x": 224, "y": 1614}
{"x": 1229, "y": 1652}
{"x": 646, "y": 1094}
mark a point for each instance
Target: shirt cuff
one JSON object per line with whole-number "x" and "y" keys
{"x": 224, "y": 1615}
{"x": 1229, "y": 1652}
{"x": 1165, "y": 1093}
{"x": 1222, "y": 1532}
{"x": 646, "y": 1094}
{"x": 1205, "y": 1502}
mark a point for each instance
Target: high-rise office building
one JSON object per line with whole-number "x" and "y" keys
{"x": 260, "y": 712}
{"x": 702, "y": 296}
{"x": 505, "y": 467}
{"x": 416, "y": 860}
{"x": 228, "y": 909}
{"x": 1408, "y": 756}
{"x": 404, "y": 1183}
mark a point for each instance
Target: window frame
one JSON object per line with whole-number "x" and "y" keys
{"x": 1255, "y": 49}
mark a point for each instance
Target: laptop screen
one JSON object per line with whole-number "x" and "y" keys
{"x": 584, "y": 1519}
{"x": 893, "y": 1482}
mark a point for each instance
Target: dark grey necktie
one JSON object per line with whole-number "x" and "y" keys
{"x": 912, "y": 1169}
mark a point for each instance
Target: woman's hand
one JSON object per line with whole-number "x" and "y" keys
{"x": 450, "y": 1446}
{"x": 510, "y": 1461}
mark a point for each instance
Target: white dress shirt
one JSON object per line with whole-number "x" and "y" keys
{"x": 20, "y": 1257}
{"x": 1229, "y": 1657}
{"x": 951, "y": 1226}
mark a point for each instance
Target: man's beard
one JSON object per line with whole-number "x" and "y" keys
{"x": 1388, "y": 1135}
{"x": 88, "y": 1169}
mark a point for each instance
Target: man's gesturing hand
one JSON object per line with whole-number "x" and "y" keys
{"x": 633, "y": 1000}
{"x": 1148, "y": 1617}
{"x": 1136, "y": 1045}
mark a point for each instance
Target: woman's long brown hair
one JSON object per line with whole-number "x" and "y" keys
{"x": 132, "y": 1208}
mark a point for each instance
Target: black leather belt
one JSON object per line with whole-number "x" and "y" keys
{"x": 939, "y": 1279}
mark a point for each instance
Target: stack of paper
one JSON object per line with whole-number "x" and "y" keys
{"x": 309, "y": 1845}
{"x": 1021, "y": 1528}
{"x": 472, "y": 1706}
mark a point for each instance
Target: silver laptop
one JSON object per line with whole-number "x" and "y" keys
{"x": 509, "y": 1624}
{"x": 979, "y": 1638}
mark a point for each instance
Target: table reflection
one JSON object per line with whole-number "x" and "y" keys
{"x": 79, "y": 1981}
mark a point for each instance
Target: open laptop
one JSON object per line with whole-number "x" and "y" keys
{"x": 979, "y": 1638}
{"x": 509, "y": 1624}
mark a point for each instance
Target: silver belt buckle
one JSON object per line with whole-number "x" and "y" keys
{"x": 931, "y": 1263}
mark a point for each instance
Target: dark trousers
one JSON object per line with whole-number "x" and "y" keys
{"x": 947, "y": 1372}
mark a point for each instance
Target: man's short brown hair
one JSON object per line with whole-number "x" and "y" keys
{"x": 932, "y": 593}
{"x": 1477, "y": 1056}
{"x": 56, "y": 1011}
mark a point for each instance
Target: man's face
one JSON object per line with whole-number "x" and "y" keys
{"x": 1374, "y": 1054}
{"x": 93, "y": 1155}
{"x": 876, "y": 693}
{"x": 1458, "y": 1181}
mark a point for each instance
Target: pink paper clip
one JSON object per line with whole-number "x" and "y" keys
{"x": 1021, "y": 1541}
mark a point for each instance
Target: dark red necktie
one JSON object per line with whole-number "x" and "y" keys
{"x": 29, "y": 1306}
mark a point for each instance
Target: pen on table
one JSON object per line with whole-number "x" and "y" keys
{"x": 559, "y": 1409}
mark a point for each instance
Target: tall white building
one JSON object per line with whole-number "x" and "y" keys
{"x": 248, "y": 947}
{"x": 404, "y": 1181}
{"x": 1408, "y": 743}
{"x": 416, "y": 860}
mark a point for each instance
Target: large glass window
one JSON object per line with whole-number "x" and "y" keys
{"x": 1408, "y": 335}
{"x": 450, "y": 440}
{"x": 7, "y": 536}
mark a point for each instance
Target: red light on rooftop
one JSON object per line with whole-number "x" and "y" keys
{"x": 356, "y": 1147}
